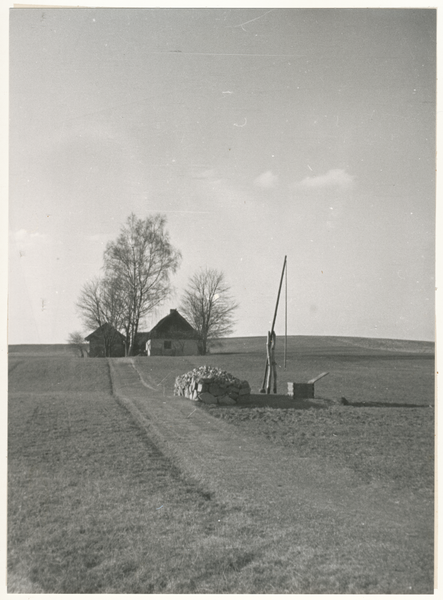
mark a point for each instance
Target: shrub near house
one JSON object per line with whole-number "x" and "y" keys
{"x": 173, "y": 336}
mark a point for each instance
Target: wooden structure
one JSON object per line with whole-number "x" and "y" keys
{"x": 296, "y": 390}
{"x": 300, "y": 391}
{"x": 271, "y": 366}
{"x": 172, "y": 336}
{"x": 106, "y": 341}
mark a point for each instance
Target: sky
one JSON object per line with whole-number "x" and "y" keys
{"x": 259, "y": 133}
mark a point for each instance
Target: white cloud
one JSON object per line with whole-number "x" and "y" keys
{"x": 98, "y": 237}
{"x": 221, "y": 193}
{"x": 208, "y": 174}
{"x": 337, "y": 178}
{"x": 19, "y": 235}
{"x": 24, "y": 238}
{"x": 266, "y": 180}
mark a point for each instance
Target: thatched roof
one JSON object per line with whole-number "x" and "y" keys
{"x": 105, "y": 331}
{"x": 173, "y": 326}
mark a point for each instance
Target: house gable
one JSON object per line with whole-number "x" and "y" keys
{"x": 105, "y": 330}
{"x": 106, "y": 341}
{"x": 173, "y": 326}
{"x": 173, "y": 336}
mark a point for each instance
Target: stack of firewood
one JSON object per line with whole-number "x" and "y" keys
{"x": 212, "y": 386}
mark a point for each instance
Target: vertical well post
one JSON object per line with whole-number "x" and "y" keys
{"x": 269, "y": 368}
{"x": 286, "y": 313}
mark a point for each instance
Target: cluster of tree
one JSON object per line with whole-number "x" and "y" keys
{"x": 137, "y": 270}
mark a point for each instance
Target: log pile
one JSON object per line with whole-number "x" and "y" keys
{"x": 212, "y": 386}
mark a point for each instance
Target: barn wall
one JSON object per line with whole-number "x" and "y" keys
{"x": 156, "y": 347}
{"x": 188, "y": 348}
{"x": 97, "y": 350}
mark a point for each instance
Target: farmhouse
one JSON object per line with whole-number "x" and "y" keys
{"x": 106, "y": 341}
{"x": 172, "y": 336}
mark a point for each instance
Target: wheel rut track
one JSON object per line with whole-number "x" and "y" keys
{"x": 276, "y": 482}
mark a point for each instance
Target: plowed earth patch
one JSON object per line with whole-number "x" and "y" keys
{"x": 391, "y": 444}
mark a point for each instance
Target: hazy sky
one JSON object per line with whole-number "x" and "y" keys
{"x": 259, "y": 133}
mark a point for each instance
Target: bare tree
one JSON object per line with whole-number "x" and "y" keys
{"x": 77, "y": 342}
{"x": 208, "y": 306}
{"x": 101, "y": 302}
{"x": 90, "y": 304}
{"x": 138, "y": 266}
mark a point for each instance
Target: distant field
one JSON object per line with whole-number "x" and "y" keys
{"x": 360, "y": 369}
{"x": 323, "y": 344}
{"x": 64, "y": 374}
{"x": 296, "y": 345}
{"x": 95, "y": 507}
{"x": 377, "y": 371}
{"x": 39, "y": 349}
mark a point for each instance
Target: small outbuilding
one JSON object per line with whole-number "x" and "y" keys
{"x": 173, "y": 336}
{"x": 106, "y": 341}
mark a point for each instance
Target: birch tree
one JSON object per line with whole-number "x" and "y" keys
{"x": 139, "y": 265}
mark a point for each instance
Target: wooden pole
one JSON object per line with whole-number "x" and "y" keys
{"x": 269, "y": 362}
{"x": 273, "y": 363}
{"x": 270, "y": 367}
{"x": 286, "y": 314}
{"x": 263, "y": 389}
{"x": 314, "y": 379}
{"x": 278, "y": 295}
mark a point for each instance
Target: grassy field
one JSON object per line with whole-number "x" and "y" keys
{"x": 34, "y": 350}
{"x": 94, "y": 506}
{"x": 384, "y": 371}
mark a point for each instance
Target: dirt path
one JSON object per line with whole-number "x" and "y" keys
{"x": 376, "y": 530}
